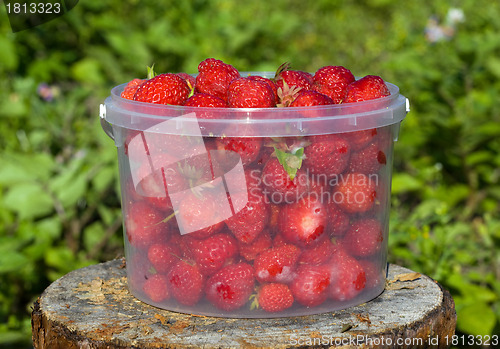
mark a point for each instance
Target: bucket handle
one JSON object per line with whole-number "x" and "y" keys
{"x": 106, "y": 126}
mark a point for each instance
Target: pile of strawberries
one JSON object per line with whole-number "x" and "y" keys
{"x": 220, "y": 85}
{"x": 311, "y": 231}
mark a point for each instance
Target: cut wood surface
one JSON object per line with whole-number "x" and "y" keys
{"x": 92, "y": 308}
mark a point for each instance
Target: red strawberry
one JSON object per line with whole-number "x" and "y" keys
{"x": 310, "y": 98}
{"x": 212, "y": 253}
{"x": 247, "y": 147}
{"x": 375, "y": 273}
{"x": 317, "y": 254}
{"x": 270, "y": 82}
{"x": 199, "y": 216}
{"x": 333, "y": 81}
{"x": 327, "y": 155}
{"x": 277, "y": 264}
{"x": 163, "y": 255}
{"x": 347, "y": 277}
{"x": 156, "y": 289}
{"x": 253, "y": 180}
{"x": 279, "y": 240}
{"x": 190, "y": 80}
{"x": 205, "y": 100}
{"x": 138, "y": 270}
{"x": 144, "y": 225}
{"x": 247, "y": 223}
{"x": 163, "y": 89}
{"x": 310, "y": 286}
{"x": 294, "y": 78}
{"x": 360, "y": 139}
{"x": 260, "y": 244}
{"x": 364, "y": 238}
{"x": 338, "y": 220}
{"x": 156, "y": 183}
{"x": 304, "y": 222}
{"x": 319, "y": 188}
{"x": 278, "y": 186}
{"x": 231, "y": 287}
{"x": 130, "y": 89}
{"x": 214, "y": 77}
{"x": 368, "y": 160}
{"x": 355, "y": 192}
{"x": 366, "y": 88}
{"x": 250, "y": 93}
{"x": 274, "y": 297}
{"x": 186, "y": 283}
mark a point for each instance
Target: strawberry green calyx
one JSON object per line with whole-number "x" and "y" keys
{"x": 151, "y": 72}
{"x": 287, "y": 94}
{"x": 254, "y": 302}
{"x": 283, "y": 67}
{"x": 292, "y": 161}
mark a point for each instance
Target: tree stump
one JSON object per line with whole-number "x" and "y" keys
{"x": 92, "y": 308}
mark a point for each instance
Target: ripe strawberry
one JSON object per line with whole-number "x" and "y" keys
{"x": 303, "y": 222}
{"x": 277, "y": 264}
{"x": 278, "y": 186}
{"x": 260, "y": 244}
{"x": 253, "y": 180}
{"x": 274, "y": 297}
{"x": 244, "y": 92}
{"x": 186, "y": 283}
{"x": 138, "y": 270}
{"x": 364, "y": 238}
{"x": 214, "y": 77}
{"x": 317, "y": 254}
{"x": 367, "y": 160}
{"x": 319, "y": 188}
{"x": 190, "y": 80}
{"x": 333, "y": 81}
{"x": 252, "y": 219}
{"x": 247, "y": 147}
{"x": 347, "y": 277}
{"x": 156, "y": 183}
{"x": 375, "y": 273}
{"x": 205, "y": 100}
{"x": 356, "y": 192}
{"x": 144, "y": 225}
{"x": 199, "y": 215}
{"x": 212, "y": 253}
{"x": 130, "y": 89}
{"x": 366, "y": 88}
{"x": 279, "y": 240}
{"x": 156, "y": 289}
{"x": 310, "y": 286}
{"x": 231, "y": 287}
{"x": 293, "y": 78}
{"x": 163, "y": 255}
{"x": 338, "y": 220}
{"x": 309, "y": 98}
{"x": 327, "y": 155}
{"x": 360, "y": 139}
{"x": 163, "y": 89}
{"x": 270, "y": 82}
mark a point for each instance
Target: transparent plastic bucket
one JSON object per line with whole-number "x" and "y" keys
{"x": 214, "y": 226}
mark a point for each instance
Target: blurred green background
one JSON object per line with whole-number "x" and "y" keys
{"x": 59, "y": 195}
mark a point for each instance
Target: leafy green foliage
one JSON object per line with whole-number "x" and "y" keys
{"x": 59, "y": 191}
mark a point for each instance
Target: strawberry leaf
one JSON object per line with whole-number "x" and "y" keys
{"x": 291, "y": 162}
